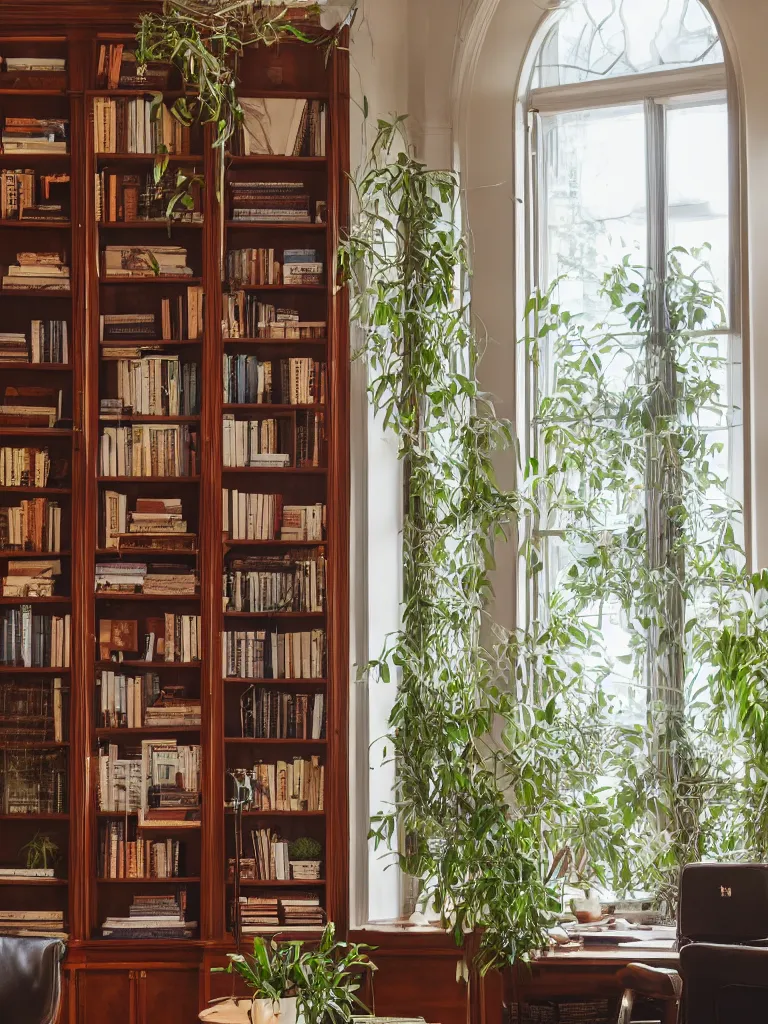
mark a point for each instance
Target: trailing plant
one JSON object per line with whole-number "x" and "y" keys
{"x": 40, "y": 850}
{"x": 324, "y": 980}
{"x": 204, "y": 40}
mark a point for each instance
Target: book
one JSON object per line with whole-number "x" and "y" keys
{"x": 261, "y": 654}
{"x": 34, "y": 135}
{"x": 246, "y": 316}
{"x": 149, "y": 450}
{"x": 270, "y": 202}
{"x": 131, "y": 125}
{"x": 294, "y": 381}
{"x": 256, "y": 442}
{"x": 264, "y": 517}
{"x": 266, "y": 713}
{"x": 293, "y": 581}
{"x": 291, "y": 785}
{"x": 283, "y": 127}
{"x": 32, "y": 525}
{"x": 28, "y": 640}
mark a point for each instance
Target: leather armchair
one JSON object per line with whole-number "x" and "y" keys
{"x": 30, "y": 979}
{"x": 724, "y": 984}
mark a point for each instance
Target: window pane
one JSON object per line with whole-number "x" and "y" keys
{"x": 697, "y": 186}
{"x": 596, "y": 39}
{"x": 593, "y": 209}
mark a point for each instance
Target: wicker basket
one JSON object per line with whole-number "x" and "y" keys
{"x": 307, "y": 870}
{"x": 593, "y": 1012}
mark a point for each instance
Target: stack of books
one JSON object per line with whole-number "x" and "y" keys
{"x": 302, "y": 267}
{"x": 30, "y": 406}
{"x": 34, "y": 641}
{"x": 270, "y": 202}
{"x": 14, "y": 872}
{"x": 283, "y": 127}
{"x": 149, "y": 450}
{"x": 24, "y": 467}
{"x": 145, "y": 261}
{"x": 155, "y": 522}
{"x": 246, "y": 317}
{"x": 35, "y": 135}
{"x": 296, "y": 785}
{"x": 170, "y": 638}
{"x": 181, "y": 319}
{"x": 256, "y": 442}
{"x": 36, "y": 271}
{"x": 25, "y": 197}
{"x": 155, "y": 386}
{"x": 120, "y": 577}
{"x": 133, "y": 126}
{"x": 264, "y": 517}
{"x": 31, "y": 578}
{"x": 50, "y": 342}
{"x": 138, "y": 197}
{"x": 266, "y": 713}
{"x": 152, "y": 917}
{"x": 43, "y": 923}
{"x": 13, "y": 348}
{"x": 127, "y": 327}
{"x": 291, "y": 582}
{"x": 301, "y": 910}
{"x": 122, "y": 697}
{"x": 33, "y": 64}
{"x": 172, "y": 774}
{"x": 172, "y": 707}
{"x": 32, "y": 525}
{"x": 120, "y": 857}
{"x": 258, "y": 654}
{"x": 258, "y": 913}
{"x": 170, "y": 580}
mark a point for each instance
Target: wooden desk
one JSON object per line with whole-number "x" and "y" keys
{"x": 581, "y": 974}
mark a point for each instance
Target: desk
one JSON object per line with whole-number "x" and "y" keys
{"x": 582, "y": 973}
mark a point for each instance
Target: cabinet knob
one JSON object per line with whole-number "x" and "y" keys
{"x": 143, "y": 974}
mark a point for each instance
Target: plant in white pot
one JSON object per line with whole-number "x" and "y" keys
{"x": 295, "y": 986}
{"x": 305, "y": 858}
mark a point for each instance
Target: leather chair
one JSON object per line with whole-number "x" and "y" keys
{"x": 660, "y": 984}
{"x": 30, "y": 979}
{"x": 724, "y": 984}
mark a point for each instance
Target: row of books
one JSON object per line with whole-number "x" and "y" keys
{"x": 161, "y": 776}
{"x": 149, "y": 450}
{"x": 292, "y": 582}
{"x": 262, "y": 914}
{"x": 259, "y": 654}
{"x": 181, "y": 319}
{"x": 35, "y": 135}
{"x": 24, "y": 467}
{"x": 261, "y": 202}
{"x": 145, "y": 261}
{"x": 32, "y": 64}
{"x": 122, "y": 698}
{"x": 295, "y": 381}
{"x": 25, "y": 195}
{"x": 253, "y": 267}
{"x": 32, "y": 711}
{"x": 34, "y": 781}
{"x": 245, "y": 316}
{"x": 155, "y": 386}
{"x": 138, "y": 858}
{"x": 151, "y": 917}
{"x": 136, "y": 125}
{"x": 142, "y": 578}
{"x": 33, "y": 923}
{"x": 28, "y": 640}
{"x": 48, "y": 343}
{"x": 294, "y": 785}
{"x": 283, "y": 127}
{"x": 117, "y": 68}
{"x": 265, "y": 517}
{"x": 37, "y": 271}
{"x": 32, "y": 525}
{"x": 154, "y": 522}
{"x": 30, "y": 578}
{"x": 262, "y": 443}
{"x": 129, "y": 197}
{"x": 266, "y": 713}
{"x": 270, "y": 861}
{"x": 168, "y": 638}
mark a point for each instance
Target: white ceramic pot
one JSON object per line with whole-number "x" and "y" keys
{"x": 265, "y": 1011}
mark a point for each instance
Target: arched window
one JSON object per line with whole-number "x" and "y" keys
{"x": 630, "y": 409}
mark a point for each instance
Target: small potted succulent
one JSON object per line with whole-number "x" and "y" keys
{"x": 293, "y": 986}
{"x": 305, "y": 858}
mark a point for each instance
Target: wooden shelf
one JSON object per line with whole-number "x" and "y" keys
{"x": 280, "y": 883}
{"x": 64, "y": 599}
{"x": 279, "y": 288}
{"x": 283, "y": 616}
{"x": 46, "y": 670}
{"x": 65, "y": 225}
{"x": 144, "y": 480}
{"x": 146, "y": 730}
{"x": 228, "y": 543}
{"x": 272, "y": 225}
{"x": 159, "y": 552}
{"x": 23, "y": 880}
{"x": 33, "y": 745}
{"x": 284, "y": 470}
{"x": 28, "y": 159}
{"x": 35, "y": 432}
{"x": 279, "y": 814}
{"x": 130, "y": 225}
{"x": 148, "y": 665}
{"x": 34, "y": 293}
{"x": 35, "y": 490}
{"x": 276, "y": 160}
{"x": 142, "y": 281}
{"x": 132, "y": 158}
{"x": 287, "y": 742}
{"x": 271, "y": 407}
{"x": 35, "y": 367}
{"x": 133, "y": 343}
{"x": 275, "y": 341}
{"x": 185, "y": 880}
{"x": 102, "y": 595}
{"x": 243, "y": 681}
{"x": 148, "y": 419}
{"x": 34, "y": 554}
{"x": 34, "y": 817}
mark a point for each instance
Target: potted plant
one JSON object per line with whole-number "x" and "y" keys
{"x": 305, "y": 854}
{"x": 40, "y": 850}
{"x": 292, "y": 986}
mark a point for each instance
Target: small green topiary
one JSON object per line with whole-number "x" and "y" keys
{"x": 305, "y": 849}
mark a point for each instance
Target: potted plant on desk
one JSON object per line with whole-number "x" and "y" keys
{"x": 291, "y": 985}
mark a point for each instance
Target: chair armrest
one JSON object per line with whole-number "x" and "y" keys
{"x": 654, "y": 982}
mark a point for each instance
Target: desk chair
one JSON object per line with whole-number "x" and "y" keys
{"x": 662, "y": 985}
{"x": 724, "y": 984}
{"x": 30, "y": 979}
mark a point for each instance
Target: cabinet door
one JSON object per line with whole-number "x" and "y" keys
{"x": 170, "y": 995}
{"x": 106, "y": 997}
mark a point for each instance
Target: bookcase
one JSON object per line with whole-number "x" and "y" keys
{"x": 182, "y": 513}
